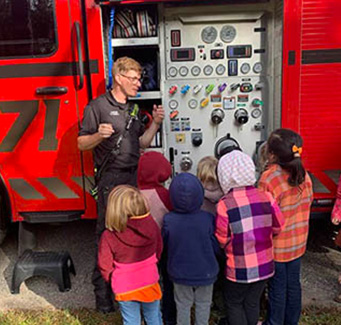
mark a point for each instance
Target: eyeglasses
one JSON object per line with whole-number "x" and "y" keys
{"x": 134, "y": 80}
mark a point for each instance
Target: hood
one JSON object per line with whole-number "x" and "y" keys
{"x": 153, "y": 169}
{"x": 137, "y": 233}
{"x": 186, "y": 193}
{"x": 235, "y": 169}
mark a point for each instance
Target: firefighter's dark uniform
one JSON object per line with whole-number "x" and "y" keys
{"x": 119, "y": 170}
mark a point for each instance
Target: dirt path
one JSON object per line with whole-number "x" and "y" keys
{"x": 319, "y": 271}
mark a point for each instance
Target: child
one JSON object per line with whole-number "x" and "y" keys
{"x": 336, "y": 219}
{"x": 128, "y": 253}
{"x": 207, "y": 174}
{"x": 247, "y": 220}
{"x": 188, "y": 234}
{"x": 291, "y": 187}
{"x": 153, "y": 170}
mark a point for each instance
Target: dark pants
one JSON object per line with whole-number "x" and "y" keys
{"x": 109, "y": 179}
{"x": 285, "y": 294}
{"x": 243, "y": 301}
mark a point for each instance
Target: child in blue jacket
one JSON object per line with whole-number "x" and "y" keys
{"x": 188, "y": 234}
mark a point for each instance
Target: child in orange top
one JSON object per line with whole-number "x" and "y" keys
{"x": 128, "y": 253}
{"x": 291, "y": 187}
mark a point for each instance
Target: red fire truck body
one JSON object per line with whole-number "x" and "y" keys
{"x": 53, "y": 60}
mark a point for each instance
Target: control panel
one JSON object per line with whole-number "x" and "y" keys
{"x": 216, "y": 81}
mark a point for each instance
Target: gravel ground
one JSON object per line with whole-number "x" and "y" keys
{"x": 319, "y": 271}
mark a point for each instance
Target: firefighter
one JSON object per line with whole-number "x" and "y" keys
{"x": 107, "y": 119}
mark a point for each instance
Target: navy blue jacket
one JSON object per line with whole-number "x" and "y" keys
{"x": 188, "y": 234}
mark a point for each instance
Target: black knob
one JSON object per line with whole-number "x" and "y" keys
{"x": 197, "y": 141}
{"x": 241, "y": 116}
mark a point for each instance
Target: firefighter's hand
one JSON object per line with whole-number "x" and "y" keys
{"x": 158, "y": 114}
{"x": 105, "y": 130}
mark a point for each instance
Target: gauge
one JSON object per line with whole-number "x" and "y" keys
{"x": 228, "y": 33}
{"x": 195, "y": 70}
{"x": 208, "y": 70}
{"x": 183, "y": 71}
{"x": 256, "y": 113}
{"x": 193, "y": 103}
{"x": 173, "y": 104}
{"x": 220, "y": 69}
{"x": 257, "y": 68}
{"x": 245, "y": 68}
{"x": 172, "y": 71}
{"x": 209, "y": 34}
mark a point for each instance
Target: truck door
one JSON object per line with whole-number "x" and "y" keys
{"x": 44, "y": 86}
{"x": 311, "y": 83}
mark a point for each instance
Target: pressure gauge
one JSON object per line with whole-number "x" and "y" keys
{"x": 256, "y": 113}
{"x": 195, "y": 71}
{"x": 172, "y": 71}
{"x": 257, "y": 68}
{"x": 228, "y": 33}
{"x": 173, "y": 104}
{"x": 193, "y": 103}
{"x": 208, "y": 69}
{"x": 245, "y": 68}
{"x": 209, "y": 34}
{"x": 220, "y": 69}
{"x": 183, "y": 71}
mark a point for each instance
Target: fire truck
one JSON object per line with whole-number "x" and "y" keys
{"x": 224, "y": 70}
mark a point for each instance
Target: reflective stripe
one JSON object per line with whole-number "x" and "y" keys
{"x": 24, "y": 189}
{"x": 333, "y": 174}
{"x": 87, "y": 179}
{"x": 58, "y": 188}
{"x": 318, "y": 187}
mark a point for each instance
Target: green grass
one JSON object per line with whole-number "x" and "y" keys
{"x": 310, "y": 316}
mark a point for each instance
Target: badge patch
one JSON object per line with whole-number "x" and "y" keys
{"x": 114, "y": 113}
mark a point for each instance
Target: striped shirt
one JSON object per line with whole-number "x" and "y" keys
{"x": 294, "y": 203}
{"x": 247, "y": 219}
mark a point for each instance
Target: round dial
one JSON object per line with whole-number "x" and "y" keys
{"x": 220, "y": 69}
{"x": 245, "y": 68}
{"x": 257, "y": 68}
{"x": 195, "y": 70}
{"x": 256, "y": 113}
{"x": 172, "y": 71}
{"x": 228, "y": 33}
{"x": 209, "y": 34}
{"x": 208, "y": 70}
{"x": 193, "y": 103}
{"x": 183, "y": 71}
{"x": 173, "y": 104}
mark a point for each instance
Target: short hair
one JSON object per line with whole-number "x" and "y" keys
{"x": 124, "y": 201}
{"x": 207, "y": 170}
{"x": 125, "y": 64}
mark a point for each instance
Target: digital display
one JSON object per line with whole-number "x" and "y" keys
{"x": 239, "y": 51}
{"x": 182, "y": 54}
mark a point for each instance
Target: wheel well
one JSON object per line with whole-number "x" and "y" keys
{"x": 5, "y": 203}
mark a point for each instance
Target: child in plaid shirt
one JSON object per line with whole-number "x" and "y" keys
{"x": 247, "y": 220}
{"x": 289, "y": 184}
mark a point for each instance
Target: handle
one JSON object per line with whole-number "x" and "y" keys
{"x": 51, "y": 90}
{"x": 80, "y": 55}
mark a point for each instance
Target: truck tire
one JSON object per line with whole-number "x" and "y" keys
{"x": 3, "y": 222}
{"x": 26, "y": 237}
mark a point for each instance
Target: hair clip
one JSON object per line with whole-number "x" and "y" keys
{"x": 297, "y": 151}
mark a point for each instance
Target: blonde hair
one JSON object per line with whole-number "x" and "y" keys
{"x": 207, "y": 170}
{"x": 125, "y": 64}
{"x": 124, "y": 201}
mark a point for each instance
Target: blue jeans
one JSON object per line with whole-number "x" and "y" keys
{"x": 285, "y": 294}
{"x": 131, "y": 312}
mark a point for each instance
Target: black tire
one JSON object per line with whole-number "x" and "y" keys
{"x": 3, "y": 222}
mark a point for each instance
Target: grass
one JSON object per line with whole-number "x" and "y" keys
{"x": 310, "y": 316}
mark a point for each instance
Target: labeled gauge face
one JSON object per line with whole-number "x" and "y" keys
{"x": 209, "y": 34}
{"x": 172, "y": 71}
{"x": 245, "y": 68}
{"x": 257, "y": 67}
{"x": 256, "y": 113}
{"x": 183, "y": 71}
{"x": 193, "y": 103}
{"x": 173, "y": 104}
{"x": 208, "y": 70}
{"x": 195, "y": 70}
{"x": 220, "y": 69}
{"x": 228, "y": 33}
